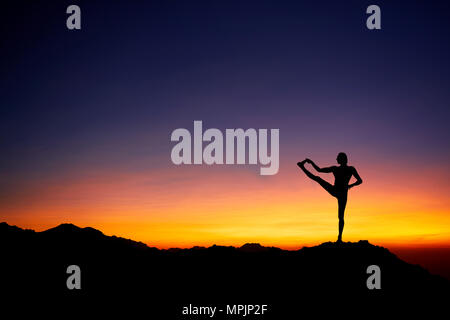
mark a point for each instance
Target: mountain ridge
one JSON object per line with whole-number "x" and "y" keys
{"x": 247, "y": 247}
{"x": 115, "y": 268}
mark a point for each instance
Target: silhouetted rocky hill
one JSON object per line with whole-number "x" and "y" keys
{"x": 116, "y": 269}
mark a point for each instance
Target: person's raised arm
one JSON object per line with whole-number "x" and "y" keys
{"x": 358, "y": 179}
{"x": 318, "y": 169}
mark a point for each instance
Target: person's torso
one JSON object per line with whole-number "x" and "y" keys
{"x": 342, "y": 176}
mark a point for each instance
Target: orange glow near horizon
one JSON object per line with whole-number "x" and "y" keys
{"x": 189, "y": 206}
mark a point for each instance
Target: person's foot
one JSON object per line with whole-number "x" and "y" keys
{"x": 339, "y": 240}
{"x": 301, "y": 163}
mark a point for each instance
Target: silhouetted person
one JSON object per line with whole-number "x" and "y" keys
{"x": 342, "y": 175}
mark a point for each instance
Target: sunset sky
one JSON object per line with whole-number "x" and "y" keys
{"x": 86, "y": 119}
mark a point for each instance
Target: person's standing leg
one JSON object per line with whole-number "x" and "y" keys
{"x": 342, "y": 202}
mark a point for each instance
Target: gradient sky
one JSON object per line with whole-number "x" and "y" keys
{"x": 86, "y": 118}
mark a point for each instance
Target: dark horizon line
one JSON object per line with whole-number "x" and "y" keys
{"x": 69, "y": 224}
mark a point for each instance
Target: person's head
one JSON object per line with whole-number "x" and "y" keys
{"x": 342, "y": 158}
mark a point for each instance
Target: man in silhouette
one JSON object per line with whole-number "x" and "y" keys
{"x": 342, "y": 175}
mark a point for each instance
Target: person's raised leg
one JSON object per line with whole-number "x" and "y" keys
{"x": 309, "y": 174}
{"x": 327, "y": 186}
